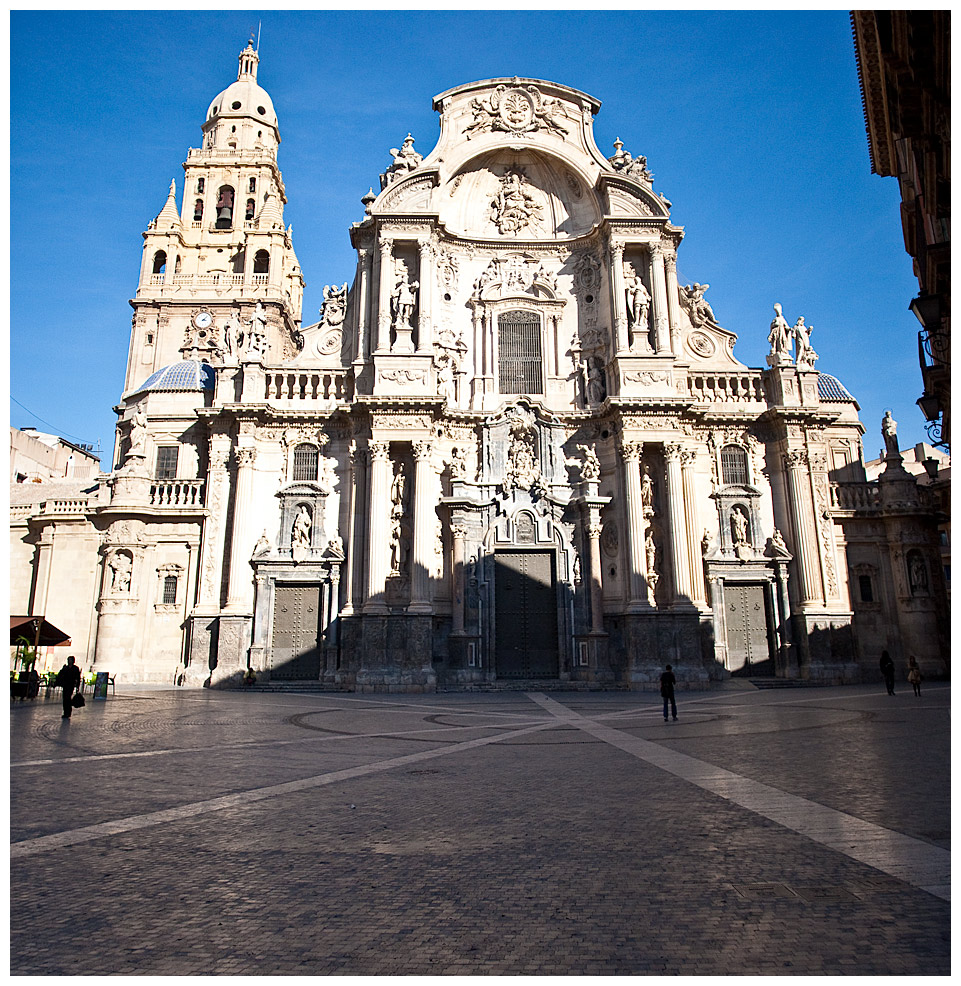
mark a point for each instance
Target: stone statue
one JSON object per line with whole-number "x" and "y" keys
{"x": 802, "y": 342}
{"x": 458, "y": 467}
{"x": 777, "y": 541}
{"x": 780, "y": 337}
{"x": 403, "y": 300}
{"x": 513, "y": 208}
{"x": 300, "y": 533}
{"x": 229, "y": 331}
{"x": 120, "y": 568}
{"x": 650, "y": 550}
{"x": 638, "y": 304}
{"x": 405, "y": 158}
{"x": 262, "y": 545}
{"x": 594, "y": 388}
{"x": 647, "y": 491}
{"x": 335, "y": 547}
{"x": 591, "y": 467}
{"x": 257, "y": 338}
{"x": 739, "y": 526}
{"x": 699, "y": 309}
{"x": 918, "y": 575}
{"x": 889, "y": 429}
{"x": 706, "y": 542}
{"x": 138, "y": 432}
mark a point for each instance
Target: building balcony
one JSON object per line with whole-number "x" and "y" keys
{"x": 176, "y": 493}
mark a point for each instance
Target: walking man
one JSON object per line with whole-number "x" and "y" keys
{"x": 887, "y": 669}
{"x": 69, "y": 680}
{"x": 668, "y": 681}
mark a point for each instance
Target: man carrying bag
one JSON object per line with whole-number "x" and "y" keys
{"x": 68, "y": 679}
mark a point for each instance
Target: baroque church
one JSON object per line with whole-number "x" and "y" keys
{"x": 513, "y": 448}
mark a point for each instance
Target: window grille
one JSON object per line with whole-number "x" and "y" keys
{"x": 167, "y": 461}
{"x": 867, "y": 594}
{"x": 305, "y": 463}
{"x": 519, "y": 353}
{"x": 733, "y": 465}
{"x": 170, "y": 589}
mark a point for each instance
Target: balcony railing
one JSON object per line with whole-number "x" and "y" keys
{"x": 855, "y": 496}
{"x": 73, "y": 505}
{"x": 744, "y": 388}
{"x": 177, "y": 493}
{"x": 316, "y": 385}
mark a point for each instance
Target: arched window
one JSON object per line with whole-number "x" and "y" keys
{"x": 251, "y": 206}
{"x": 159, "y": 262}
{"x": 733, "y": 465}
{"x": 198, "y": 210}
{"x": 252, "y": 187}
{"x": 200, "y": 186}
{"x": 261, "y": 262}
{"x": 306, "y": 460}
{"x": 225, "y": 207}
{"x": 177, "y": 266}
{"x": 519, "y": 353}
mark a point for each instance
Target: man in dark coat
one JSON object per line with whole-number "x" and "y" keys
{"x": 668, "y": 681}
{"x": 69, "y": 680}
{"x": 887, "y": 669}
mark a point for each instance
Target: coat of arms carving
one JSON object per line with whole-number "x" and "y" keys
{"x": 516, "y": 111}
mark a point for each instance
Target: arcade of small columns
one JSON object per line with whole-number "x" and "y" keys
{"x": 380, "y": 267}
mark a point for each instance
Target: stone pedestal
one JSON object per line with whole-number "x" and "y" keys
{"x": 233, "y": 644}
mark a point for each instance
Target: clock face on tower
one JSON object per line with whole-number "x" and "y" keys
{"x": 203, "y": 319}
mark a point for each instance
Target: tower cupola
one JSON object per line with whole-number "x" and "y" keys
{"x": 242, "y": 116}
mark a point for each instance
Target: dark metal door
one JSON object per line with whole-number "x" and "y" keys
{"x": 747, "y": 637}
{"x": 525, "y": 597}
{"x": 295, "y": 641}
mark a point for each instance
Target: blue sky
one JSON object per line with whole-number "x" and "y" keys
{"x": 750, "y": 121}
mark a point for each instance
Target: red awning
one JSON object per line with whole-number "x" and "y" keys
{"x": 26, "y": 626}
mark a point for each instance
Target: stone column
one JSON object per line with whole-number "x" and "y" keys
{"x": 363, "y": 303}
{"x": 677, "y": 526}
{"x": 385, "y": 256}
{"x": 662, "y": 342}
{"x": 214, "y": 534}
{"x": 424, "y": 517}
{"x": 424, "y": 328}
{"x": 673, "y": 304}
{"x": 352, "y": 588}
{"x": 805, "y": 553}
{"x": 457, "y": 614}
{"x": 620, "y": 301}
{"x": 477, "y": 358}
{"x": 631, "y": 453}
{"x": 696, "y": 563}
{"x": 378, "y": 531}
{"x": 239, "y": 581}
{"x": 597, "y": 594}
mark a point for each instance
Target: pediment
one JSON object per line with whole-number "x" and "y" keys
{"x": 301, "y": 489}
{"x": 628, "y": 198}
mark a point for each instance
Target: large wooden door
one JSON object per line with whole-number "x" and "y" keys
{"x": 747, "y": 637}
{"x": 295, "y": 640}
{"x": 525, "y": 596}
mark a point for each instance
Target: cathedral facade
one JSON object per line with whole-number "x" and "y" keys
{"x": 513, "y": 448}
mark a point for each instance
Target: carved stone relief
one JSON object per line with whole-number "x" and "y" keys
{"x": 516, "y": 110}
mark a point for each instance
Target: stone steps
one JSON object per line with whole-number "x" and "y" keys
{"x": 786, "y": 683}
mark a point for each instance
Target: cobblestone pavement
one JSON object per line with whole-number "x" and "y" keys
{"x": 796, "y": 831}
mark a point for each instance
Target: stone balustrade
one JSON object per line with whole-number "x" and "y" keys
{"x": 19, "y": 511}
{"x": 72, "y": 505}
{"x": 177, "y": 493}
{"x": 314, "y": 385}
{"x": 746, "y": 388}
{"x": 233, "y": 152}
{"x": 855, "y": 496}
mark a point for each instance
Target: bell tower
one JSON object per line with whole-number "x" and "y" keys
{"x": 207, "y": 265}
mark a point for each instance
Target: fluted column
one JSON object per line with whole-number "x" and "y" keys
{"x": 378, "y": 532}
{"x": 424, "y": 327}
{"x": 355, "y": 537}
{"x": 673, "y": 304}
{"x": 597, "y": 594}
{"x": 680, "y": 569}
{"x": 385, "y": 257}
{"x": 457, "y": 613}
{"x": 620, "y": 301}
{"x": 424, "y": 517}
{"x": 662, "y": 342}
{"x": 805, "y": 554}
{"x": 696, "y": 563}
{"x": 239, "y": 582}
{"x": 631, "y": 453}
{"x": 363, "y": 302}
{"x": 215, "y": 533}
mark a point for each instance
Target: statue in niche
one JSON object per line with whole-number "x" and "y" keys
{"x": 779, "y": 337}
{"x": 739, "y": 525}
{"x": 647, "y": 491}
{"x": 403, "y": 299}
{"x": 458, "y": 467}
{"x": 802, "y": 342}
{"x": 707, "y": 542}
{"x": 257, "y": 337}
{"x": 650, "y": 551}
{"x": 591, "y": 466}
{"x": 595, "y": 390}
{"x": 300, "y": 532}
{"x": 638, "y": 306}
{"x": 120, "y": 567}
{"x": 399, "y": 547}
{"x": 514, "y": 208}
{"x": 138, "y": 432}
{"x": 698, "y": 309}
{"x": 917, "y": 575}
{"x": 889, "y": 430}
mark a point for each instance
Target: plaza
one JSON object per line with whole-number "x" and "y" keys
{"x": 794, "y": 830}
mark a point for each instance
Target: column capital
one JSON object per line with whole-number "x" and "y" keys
{"x": 795, "y": 458}
{"x": 594, "y": 531}
{"x": 379, "y": 451}
{"x": 246, "y": 456}
{"x": 458, "y": 532}
{"x": 672, "y": 452}
{"x": 617, "y": 250}
{"x": 632, "y": 451}
{"x": 688, "y": 457}
{"x": 422, "y": 450}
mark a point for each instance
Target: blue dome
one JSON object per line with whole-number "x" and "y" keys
{"x": 831, "y": 389}
{"x": 187, "y": 375}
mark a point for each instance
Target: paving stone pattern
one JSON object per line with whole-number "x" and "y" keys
{"x": 543, "y": 852}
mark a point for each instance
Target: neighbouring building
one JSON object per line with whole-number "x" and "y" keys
{"x": 514, "y": 447}
{"x": 36, "y": 456}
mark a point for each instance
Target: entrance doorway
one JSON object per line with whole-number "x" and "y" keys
{"x": 525, "y": 599}
{"x": 295, "y": 637}
{"x": 747, "y": 636}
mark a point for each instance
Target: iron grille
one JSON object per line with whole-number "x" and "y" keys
{"x": 305, "y": 463}
{"x": 519, "y": 353}
{"x": 733, "y": 465}
{"x": 170, "y": 589}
